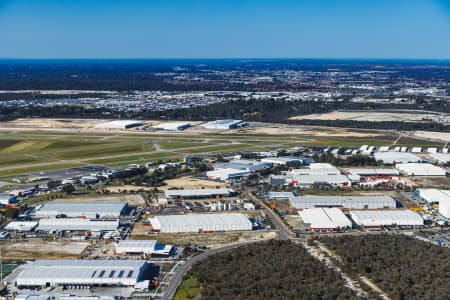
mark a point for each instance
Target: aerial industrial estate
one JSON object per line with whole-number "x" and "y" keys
{"x": 165, "y": 193}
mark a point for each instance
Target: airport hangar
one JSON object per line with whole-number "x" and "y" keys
{"x": 119, "y": 124}
{"x": 351, "y": 202}
{"x": 201, "y": 223}
{"x": 88, "y": 210}
{"x": 224, "y": 124}
{"x": 52, "y": 273}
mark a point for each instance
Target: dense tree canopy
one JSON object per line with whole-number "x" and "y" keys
{"x": 403, "y": 267}
{"x": 269, "y": 270}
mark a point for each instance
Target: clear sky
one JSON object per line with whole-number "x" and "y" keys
{"x": 225, "y": 29}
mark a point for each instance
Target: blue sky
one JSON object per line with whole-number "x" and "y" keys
{"x": 225, "y": 29}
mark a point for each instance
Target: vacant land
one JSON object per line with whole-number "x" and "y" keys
{"x": 403, "y": 267}
{"x": 40, "y": 249}
{"x": 269, "y": 270}
{"x": 140, "y": 231}
{"x": 187, "y": 182}
{"x": 372, "y": 116}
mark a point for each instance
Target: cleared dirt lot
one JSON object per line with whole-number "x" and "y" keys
{"x": 191, "y": 183}
{"x": 207, "y": 239}
{"x": 372, "y": 116}
{"x": 40, "y": 249}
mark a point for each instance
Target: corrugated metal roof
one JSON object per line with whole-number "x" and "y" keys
{"x": 101, "y": 207}
{"x": 205, "y": 222}
{"x": 386, "y": 217}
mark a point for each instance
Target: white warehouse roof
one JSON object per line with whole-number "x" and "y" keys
{"x": 419, "y": 169}
{"x": 324, "y": 218}
{"x": 280, "y": 195}
{"x": 433, "y": 195}
{"x": 199, "y": 193}
{"x": 392, "y": 157}
{"x": 21, "y": 226}
{"x": 77, "y": 225}
{"x": 82, "y": 209}
{"x": 223, "y": 124}
{"x": 119, "y": 124}
{"x": 373, "y": 172}
{"x": 81, "y": 272}
{"x": 172, "y": 126}
{"x": 142, "y": 246}
{"x": 386, "y": 218}
{"x": 201, "y": 222}
{"x": 354, "y": 202}
{"x": 442, "y": 158}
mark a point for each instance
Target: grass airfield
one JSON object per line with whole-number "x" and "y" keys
{"x": 26, "y": 151}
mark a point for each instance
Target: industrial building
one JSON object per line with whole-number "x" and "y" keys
{"x": 148, "y": 247}
{"x": 224, "y": 124}
{"x": 352, "y": 202}
{"x": 375, "y": 218}
{"x": 243, "y": 165}
{"x": 316, "y": 169}
{"x": 324, "y": 219}
{"x": 21, "y": 226}
{"x": 172, "y": 126}
{"x": 373, "y": 172}
{"x": 120, "y": 124}
{"x": 420, "y": 169}
{"x": 201, "y": 223}
{"x": 200, "y": 193}
{"x": 280, "y": 195}
{"x": 287, "y": 160}
{"x": 88, "y": 210}
{"x": 441, "y": 158}
{"x": 319, "y": 179}
{"x": 392, "y": 157}
{"x": 63, "y": 224}
{"x": 50, "y": 273}
{"x": 441, "y": 197}
{"x": 228, "y": 175}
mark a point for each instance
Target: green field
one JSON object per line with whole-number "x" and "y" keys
{"x": 25, "y": 152}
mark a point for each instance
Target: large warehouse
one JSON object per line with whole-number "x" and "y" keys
{"x": 224, "y": 124}
{"x": 418, "y": 169}
{"x": 373, "y": 172}
{"x": 82, "y": 272}
{"x": 149, "y": 247}
{"x": 201, "y": 223}
{"x": 442, "y": 158}
{"x": 200, "y": 193}
{"x": 172, "y": 126}
{"x": 375, "y": 218}
{"x": 120, "y": 124}
{"x": 442, "y": 197}
{"x": 89, "y": 210}
{"x": 49, "y": 225}
{"x": 228, "y": 175}
{"x": 309, "y": 180}
{"x": 324, "y": 219}
{"x": 352, "y": 202}
{"x": 316, "y": 169}
{"x": 392, "y": 158}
